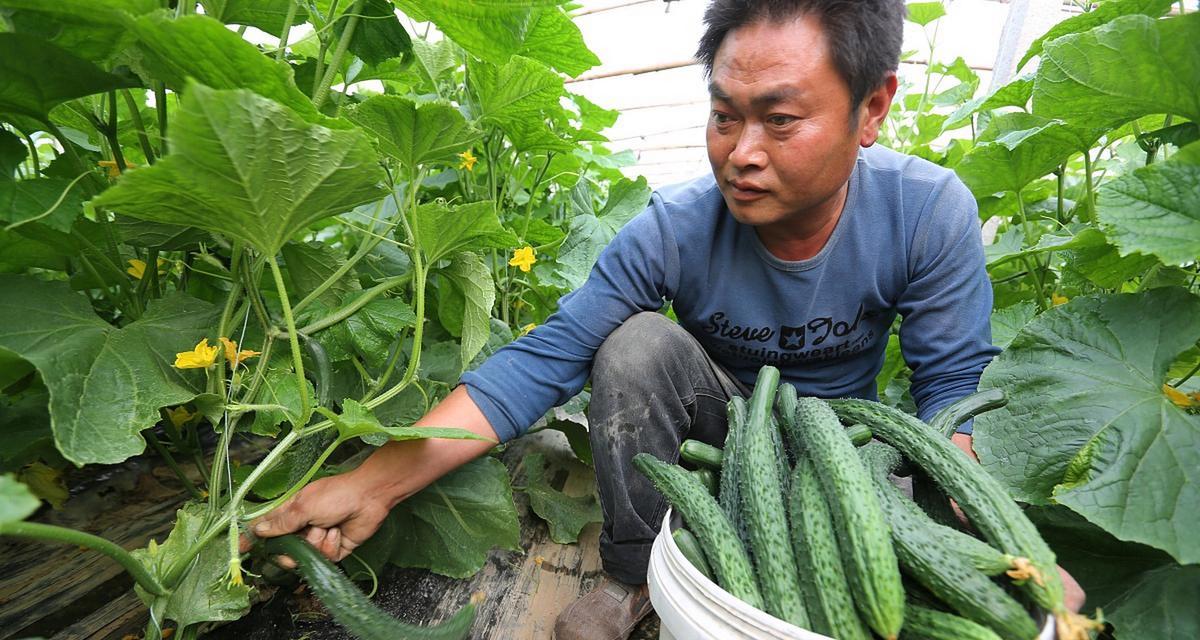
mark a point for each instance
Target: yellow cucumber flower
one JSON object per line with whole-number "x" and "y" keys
{"x": 1181, "y": 399}
{"x": 235, "y": 357}
{"x": 137, "y": 268}
{"x": 527, "y": 328}
{"x": 468, "y": 160}
{"x": 523, "y": 258}
{"x": 1056, "y": 299}
{"x": 180, "y": 416}
{"x": 201, "y": 357}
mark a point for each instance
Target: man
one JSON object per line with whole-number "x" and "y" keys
{"x": 799, "y": 251}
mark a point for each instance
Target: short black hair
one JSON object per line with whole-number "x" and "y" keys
{"x": 864, "y": 36}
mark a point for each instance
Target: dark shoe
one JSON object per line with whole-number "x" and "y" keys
{"x": 608, "y": 612}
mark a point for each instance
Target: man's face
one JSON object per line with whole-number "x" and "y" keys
{"x": 779, "y": 135}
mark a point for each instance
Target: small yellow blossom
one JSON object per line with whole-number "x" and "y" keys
{"x": 180, "y": 416}
{"x": 235, "y": 357}
{"x": 137, "y": 268}
{"x": 235, "y": 572}
{"x": 1056, "y": 299}
{"x": 468, "y": 160}
{"x": 114, "y": 171}
{"x": 200, "y": 357}
{"x": 527, "y": 328}
{"x": 523, "y": 258}
{"x": 1181, "y": 399}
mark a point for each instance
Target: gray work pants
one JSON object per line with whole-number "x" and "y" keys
{"x": 653, "y": 386}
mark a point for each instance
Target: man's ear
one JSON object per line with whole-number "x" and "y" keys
{"x": 874, "y": 109}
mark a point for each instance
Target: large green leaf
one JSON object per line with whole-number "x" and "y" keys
{"x": 18, "y": 253}
{"x": 492, "y": 30}
{"x": 379, "y": 35}
{"x": 443, "y": 230}
{"x": 589, "y": 233}
{"x": 106, "y": 384}
{"x": 309, "y": 265}
{"x": 53, "y": 202}
{"x": 1104, "y": 12}
{"x": 199, "y": 49}
{"x": 555, "y": 40}
{"x": 205, "y": 593}
{"x": 279, "y": 388}
{"x": 373, "y": 329}
{"x": 565, "y": 515}
{"x": 1016, "y": 149}
{"x": 517, "y": 98}
{"x": 1010, "y": 244}
{"x": 12, "y": 153}
{"x": 1013, "y": 94}
{"x": 16, "y": 501}
{"x": 472, "y": 282}
{"x": 450, "y": 526}
{"x": 1160, "y": 604}
{"x": 1007, "y": 322}
{"x": 91, "y": 29}
{"x": 1130, "y": 67}
{"x": 268, "y": 15}
{"x": 1087, "y": 424}
{"x": 412, "y": 133}
{"x": 249, "y": 168}
{"x": 1156, "y": 209}
{"x": 39, "y": 76}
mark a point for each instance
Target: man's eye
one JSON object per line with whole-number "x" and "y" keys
{"x": 721, "y": 118}
{"x": 780, "y": 120}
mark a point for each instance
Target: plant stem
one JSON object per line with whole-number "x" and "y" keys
{"x": 1091, "y": 196}
{"x": 52, "y": 533}
{"x": 1187, "y": 376}
{"x": 1061, "y": 176}
{"x": 170, "y": 460}
{"x": 293, "y": 338}
{"x": 359, "y": 302}
{"x": 297, "y": 486}
{"x": 335, "y": 64}
{"x": 160, "y": 105}
{"x": 139, "y": 126}
{"x": 287, "y": 30}
{"x": 33, "y": 153}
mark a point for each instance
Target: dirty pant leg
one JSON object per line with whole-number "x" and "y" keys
{"x": 653, "y": 386}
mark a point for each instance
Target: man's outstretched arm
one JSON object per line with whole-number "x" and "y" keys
{"x": 338, "y": 513}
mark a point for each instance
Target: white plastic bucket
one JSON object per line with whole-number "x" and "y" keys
{"x": 692, "y": 607}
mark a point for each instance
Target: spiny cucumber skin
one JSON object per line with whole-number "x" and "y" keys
{"x": 826, "y": 592}
{"x": 725, "y": 552}
{"x": 707, "y": 477}
{"x": 949, "y": 574}
{"x": 927, "y": 624}
{"x": 980, "y": 496}
{"x": 691, "y": 549}
{"x": 763, "y": 508}
{"x": 729, "y": 492}
{"x": 867, "y": 556}
{"x": 981, "y": 555}
{"x": 351, "y": 608}
{"x": 879, "y": 459}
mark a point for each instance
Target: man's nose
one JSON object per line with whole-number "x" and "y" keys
{"x": 749, "y": 152}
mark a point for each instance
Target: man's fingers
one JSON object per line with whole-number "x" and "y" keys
{"x": 1073, "y": 595}
{"x": 316, "y": 536}
{"x": 284, "y": 519}
{"x": 332, "y": 544}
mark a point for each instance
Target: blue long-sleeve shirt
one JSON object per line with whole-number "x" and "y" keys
{"x": 907, "y": 243}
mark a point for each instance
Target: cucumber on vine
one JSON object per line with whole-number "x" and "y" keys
{"x": 351, "y": 608}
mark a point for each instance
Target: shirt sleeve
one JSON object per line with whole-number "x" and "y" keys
{"x": 549, "y": 365}
{"x": 945, "y": 330}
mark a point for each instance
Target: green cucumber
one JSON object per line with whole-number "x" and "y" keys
{"x": 860, "y": 434}
{"x": 950, "y": 418}
{"x": 826, "y": 592}
{"x": 785, "y": 405}
{"x": 980, "y": 496}
{"x": 691, "y": 549}
{"x": 948, "y": 573}
{"x": 867, "y": 556}
{"x": 701, "y": 454}
{"x": 763, "y": 507}
{"x": 726, "y": 554}
{"x": 707, "y": 477}
{"x": 351, "y": 608}
{"x": 927, "y": 624}
{"x": 730, "y": 494}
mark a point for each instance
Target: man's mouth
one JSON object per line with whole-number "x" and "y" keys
{"x": 746, "y": 190}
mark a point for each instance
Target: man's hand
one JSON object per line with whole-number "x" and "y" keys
{"x": 338, "y": 513}
{"x": 335, "y": 515}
